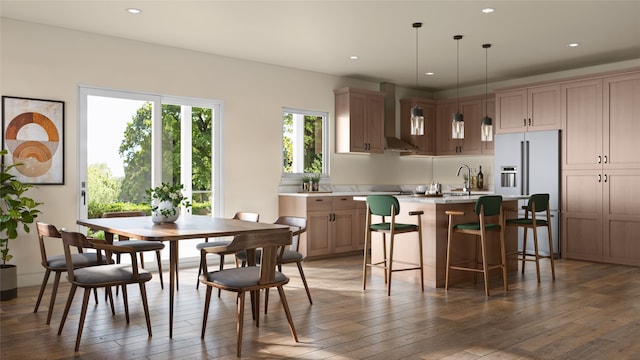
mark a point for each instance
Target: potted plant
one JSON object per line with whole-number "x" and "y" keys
{"x": 16, "y": 210}
{"x": 166, "y": 200}
{"x": 306, "y": 182}
{"x": 315, "y": 181}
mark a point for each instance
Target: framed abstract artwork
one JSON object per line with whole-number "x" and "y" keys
{"x": 33, "y": 135}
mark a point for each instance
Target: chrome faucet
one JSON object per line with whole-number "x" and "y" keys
{"x": 467, "y": 184}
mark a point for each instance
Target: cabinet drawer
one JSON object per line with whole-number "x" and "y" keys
{"x": 343, "y": 203}
{"x": 318, "y": 203}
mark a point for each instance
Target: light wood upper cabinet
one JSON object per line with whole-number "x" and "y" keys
{"x": 473, "y": 111}
{"x": 621, "y": 132}
{"x": 426, "y": 144}
{"x": 359, "y": 121}
{"x": 531, "y": 109}
{"x": 582, "y": 122}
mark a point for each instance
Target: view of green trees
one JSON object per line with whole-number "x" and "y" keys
{"x": 312, "y": 143}
{"x": 108, "y": 193}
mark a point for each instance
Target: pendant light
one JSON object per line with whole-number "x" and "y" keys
{"x": 417, "y": 115}
{"x": 457, "y": 123}
{"x": 486, "y": 124}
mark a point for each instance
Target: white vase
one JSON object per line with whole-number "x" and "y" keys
{"x": 158, "y": 218}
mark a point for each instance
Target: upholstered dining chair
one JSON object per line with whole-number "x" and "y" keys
{"x": 101, "y": 276}
{"x": 487, "y": 208}
{"x": 244, "y": 216}
{"x": 386, "y": 208}
{"x": 251, "y": 278}
{"x": 140, "y": 246}
{"x": 57, "y": 263}
{"x": 286, "y": 255}
{"x": 537, "y": 204}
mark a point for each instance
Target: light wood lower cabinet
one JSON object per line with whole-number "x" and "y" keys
{"x": 334, "y": 223}
{"x": 601, "y": 216}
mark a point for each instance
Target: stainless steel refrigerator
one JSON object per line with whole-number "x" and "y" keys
{"x": 529, "y": 163}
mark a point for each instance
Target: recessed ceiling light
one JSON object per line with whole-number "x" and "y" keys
{"x": 574, "y": 45}
{"x": 134, "y": 11}
{"x": 429, "y": 73}
{"x": 488, "y": 10}
{"x": 353, "y": 57}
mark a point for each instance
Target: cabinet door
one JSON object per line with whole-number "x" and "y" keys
{"x": 445, "y": 145}
{"x": 543, "y": 108}
{"x": 622, "y": 115}
{"x": 344, "y": 230}
{"x": 374, "y": 124}
{"x": 621, "y": 216}
{"x": 511, "y": 111}
{"x": 424, "y": 143}
{"x": 472, "y": 111}
{"x": 582, "y": 215}
{"x": 357, "y": 123}
{"x": 582, "y": 124}
{"x": 318, "y": 235}
{"x": 489, "y": 108}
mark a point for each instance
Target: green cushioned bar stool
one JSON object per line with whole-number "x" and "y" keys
{"x": 386, "y": 207}
{"x": 537, "y": 203}
{"x": 486, "y": 208}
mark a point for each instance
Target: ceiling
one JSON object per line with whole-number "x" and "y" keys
{"x": 527, "y": 37}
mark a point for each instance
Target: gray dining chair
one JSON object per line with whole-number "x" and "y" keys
{"x": 57, "y": 263}
{"x": 101, "y": 276}
{"x": 251, "y": 278}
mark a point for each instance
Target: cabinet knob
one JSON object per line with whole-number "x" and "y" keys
{"x": 524, "y": 122}
{"x": 606, "y": 159}
{"x": 599, "y": 178}
{"x": 599, "y": 159}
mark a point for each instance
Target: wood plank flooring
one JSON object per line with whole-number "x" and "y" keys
{"x": 591, "y": 311}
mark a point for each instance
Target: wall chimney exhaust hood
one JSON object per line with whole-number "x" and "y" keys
{"x": 392, "y": 143}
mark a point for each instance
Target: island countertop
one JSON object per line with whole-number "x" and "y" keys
{"x": 445, "y": 199}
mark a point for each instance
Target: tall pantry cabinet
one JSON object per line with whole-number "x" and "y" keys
{"x": 601, "y": 169}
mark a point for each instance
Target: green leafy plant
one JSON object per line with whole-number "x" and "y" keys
{"x": 16, "y": 209}
{"x": 167, "y": 192}
{"x": 315, "y": 177}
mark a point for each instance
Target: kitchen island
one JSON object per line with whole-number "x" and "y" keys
{"x": 434, "y": 238}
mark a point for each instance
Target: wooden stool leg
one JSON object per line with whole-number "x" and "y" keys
{"x": 367, "y": 241}
{"x": 553, "y": 267}
{"x": 535, "y": 250}
{"x": 503, "y": 254}
{"x": 524, "y": 247}
{"x": 485, "y": 271}
{"x": 390, "y": 263}
{"x": 449, "y": 236}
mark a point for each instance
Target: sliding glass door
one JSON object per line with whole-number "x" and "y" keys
{"x": 130, "y": 142}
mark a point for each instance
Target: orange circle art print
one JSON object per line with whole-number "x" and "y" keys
{"x": 32, "y": 135}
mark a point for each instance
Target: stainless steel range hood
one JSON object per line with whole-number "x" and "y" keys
{"x": 392, "y": 143}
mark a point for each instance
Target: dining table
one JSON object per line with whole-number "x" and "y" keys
{"x": 186, "y": 227}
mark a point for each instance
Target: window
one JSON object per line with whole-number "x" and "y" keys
{"x": 304, "y": 142}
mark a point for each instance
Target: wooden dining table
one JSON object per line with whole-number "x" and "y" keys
{"x": 186, "y": 227}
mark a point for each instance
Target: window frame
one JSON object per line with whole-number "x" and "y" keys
{"x": 294, "y": 177}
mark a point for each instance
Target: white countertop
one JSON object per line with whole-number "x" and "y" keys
{"x": 445, "y": 199}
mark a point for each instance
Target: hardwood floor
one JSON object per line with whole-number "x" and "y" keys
{"x": 591, "y": 311}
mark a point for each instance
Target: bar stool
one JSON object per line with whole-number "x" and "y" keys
{"x": 486, "y": 206}
{"x": 388, "y": 206}
{"x": 537, "y": 203}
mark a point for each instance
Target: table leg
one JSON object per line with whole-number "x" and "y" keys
{"x": 173, "y": 254}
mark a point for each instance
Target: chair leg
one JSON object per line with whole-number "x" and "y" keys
{"x": 524, "y": 247}
{"x": 110, "y": 295}
{"x": 367, "y": 242}
{"x": 304, "y": 281}
{"x": 125, "y": 299}
{"x": 285, "y": 305}
{"x": 159, "y": 260}
{"x": 390, "y": 264}
{"x": 42, "y": 287}
{"x": 54, "y": 291}
{"x": 553, "y": 267}
{"x": 206, "y": 311}
{"x": 145, "y": 306}
{"x": 384, "y": 256}
{"x": 485, "y": 271}
{"x": 449, "y": 238}
{"x": 536, "y": 254}
{"x": 240, "y": 322}
{"x": 83, "y": 314}
{"x": 117, "y": 262}
{"x": 266, "y": 300}
{"x": 72, "y": 292}
{"x": 421, "y": 259}
{"x": 203, "y": 258}
{"x": 256, "y": 305}
{"x": 503, "y": 254}
{"x": 95, "y": 295}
